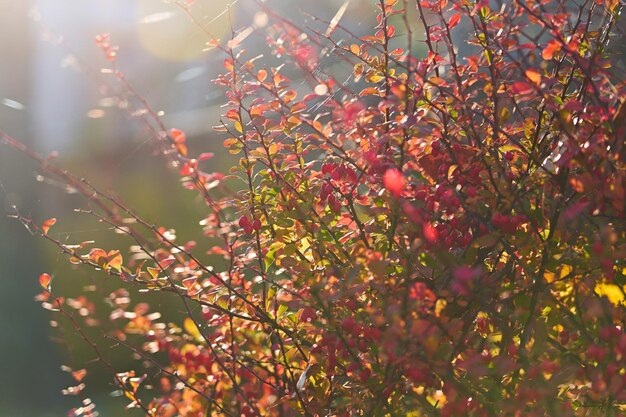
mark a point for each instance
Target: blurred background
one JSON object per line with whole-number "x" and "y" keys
{"x": 54, "y": 97}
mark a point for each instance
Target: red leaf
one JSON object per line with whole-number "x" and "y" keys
{"x": 164, "y": 263}
{"x": 454, "y": 20}
{"x": 574, "y": 210}
{"x": 188, "y": 168}
{"x": 206, "y": 155}
{"x": 394, "y": 182}
{"x": 44, "y": 281}
{"x": 464, "y": 279}
{"x": 47, "y": 225}
{"x": 178, "y": 136}
{"x": 521, "y": 88}
{"x": 430, "y": 233}
{"x": 245, "y": 224}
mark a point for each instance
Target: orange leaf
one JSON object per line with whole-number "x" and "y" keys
{"x": 551, "y": 49}
{"x": 44, "y": 281}
{"x": 533, "y": 75}
{"x": 369, "y": 91}
{"x": 47, "y": 225}
{"x": 181, "y": 148}
{"x": 232, "y": 114}
{"x": 79, "y": 375}
{"x": 96, "y": 254}
{"x": 178, "y": 136}
{"x": 289, "y": 95}
{"x": 114, "y": 260}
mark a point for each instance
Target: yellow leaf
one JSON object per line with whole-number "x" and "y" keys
{"x": 440, "y": 305}
{"x": 611, "y": 291}
{"x": 437, "y": 81}
{"x": 565, "y": 271}
{"x": 114, "y": 260}
{"x": 154, "y": 272}
{"x": 451, "y": 170}
{"x": 376, "y": 78}
{"x": 192, "y": 329}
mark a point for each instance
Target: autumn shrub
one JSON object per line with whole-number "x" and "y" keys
{"x": 441, "y": 233}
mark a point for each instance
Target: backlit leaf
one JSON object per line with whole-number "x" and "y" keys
{"x": 190, "y": 327}
{"x": 552, "y": 48}
{"x": 44, "y": 281}
{"x": 114, "y": 260}
{"x": 612, "y": 292}
{"x": 454, "y": 20}
{"x": 533, "y": 75}
{"x": 521, "y": 88}
{"x": 178, "y": 136}
{"x": 45, "y": 227}
{"x": 437, "y": 81}
{"x": 394, "y": 182}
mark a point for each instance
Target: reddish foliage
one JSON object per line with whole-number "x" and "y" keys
{"x": 445, "y": 233}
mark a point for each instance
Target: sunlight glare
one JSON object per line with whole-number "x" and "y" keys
{"x": 165, "y": 31}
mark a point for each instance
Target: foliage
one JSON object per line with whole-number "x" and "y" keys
{"x": 441, "y": 235}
